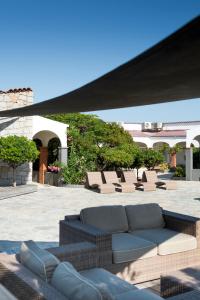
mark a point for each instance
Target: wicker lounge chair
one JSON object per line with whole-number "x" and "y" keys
{"x": 151, "y": 177}
{"x": 111, "y": 177}
{"x": 94, "y": 181}
{"x": 129, "y": 177}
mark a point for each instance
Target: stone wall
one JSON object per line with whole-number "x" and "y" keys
{"x": 16, "y": 126}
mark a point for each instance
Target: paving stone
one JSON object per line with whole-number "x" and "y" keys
{"x": 36, "y": 216}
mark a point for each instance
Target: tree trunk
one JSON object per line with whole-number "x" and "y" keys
{"x": 14, "y": 177}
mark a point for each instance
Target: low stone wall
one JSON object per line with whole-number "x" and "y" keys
{"x": 23, "y": 174}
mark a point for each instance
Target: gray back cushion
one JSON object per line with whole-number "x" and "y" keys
{"x": 112, "y": 219}
{"x": 73, "y": 285}
{"x": 39, "y": 261}
{"x": 144, "y": 216}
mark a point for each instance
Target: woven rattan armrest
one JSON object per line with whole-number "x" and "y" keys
{"x": 182, "y": 223}
{"x": 19, "y": 288}
{"x": 75, "y": 232}
{"x": 82, "y": 255}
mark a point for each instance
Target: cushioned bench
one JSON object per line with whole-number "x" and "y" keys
{"x": 50, "y": 279}
{"x": 144, "y": 240}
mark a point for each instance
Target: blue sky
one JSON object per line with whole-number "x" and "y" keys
{"x": 56, "y": 46}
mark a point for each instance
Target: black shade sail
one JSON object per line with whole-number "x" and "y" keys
{"x": 169, "y": 71}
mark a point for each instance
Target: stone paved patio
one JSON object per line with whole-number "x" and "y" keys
{"x": 36, "y": 215}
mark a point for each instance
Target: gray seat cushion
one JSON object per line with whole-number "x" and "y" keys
{"x": 39, "y": 261}
{"x": 138, "y": 295}
{"x": 107, "y": 282}
{"x": 144, "y": 216}
{"x": 168, "y": 241}
{"x": 41, "y": 287}
{"x": 73, "y": 285}
{"x": 127, "y": 247}
{"x": 109, "y": 218}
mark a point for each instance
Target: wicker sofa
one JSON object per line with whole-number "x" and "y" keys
{"x": 36, "y": 274}
{"x": 136, "y": 242}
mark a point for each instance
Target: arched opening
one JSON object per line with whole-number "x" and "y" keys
{"x": 38, "y": 143}
{"x": 141, "y": 145}
{"x": 181, "y": 155}
{"x": 48, "y": 144}
{"x": 53, "y": 150}
{"x": 196, "y": 152}
{"x": 158, "y": 146}
{"x": 36, "y": 163}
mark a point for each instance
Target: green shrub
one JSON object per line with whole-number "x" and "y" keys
{"x": 152, "y": 158}
{"x": 164, "y": 166}
{"x": 180, "y": 171}
{"x": 17, "y": 150}
{"x": 138, "y": 160}
{"x": 75, "y": 170}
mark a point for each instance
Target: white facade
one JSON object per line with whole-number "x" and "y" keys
{"x": 46, "y": 129}
{"x": 34, "y": 127}
{"x": 191, "y": 136}
{"x": 173, "y": 133}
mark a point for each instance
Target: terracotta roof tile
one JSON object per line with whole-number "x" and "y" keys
{"x": 19, "y": 90}
{"x": 163, "y": 133}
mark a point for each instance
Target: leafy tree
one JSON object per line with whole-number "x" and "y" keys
{"x": 138, "y": 160}
{"x": 113, "y": 158}
{"x": 17, "y": 150}
{"x": 152, "y": 158}
{"x": 171, "y": 150}
{"x": 104, "y": 146}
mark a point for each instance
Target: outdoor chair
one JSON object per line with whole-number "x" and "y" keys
{"x": 129, "y": 177}
{"x": 37, "y": 274}
{"x": 94, "y": 181}
{"x": 137, "y": 242}
{"x": 151, "y": 177}
{"x": 110, "y": 177}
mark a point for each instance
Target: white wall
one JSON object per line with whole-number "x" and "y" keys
{"x": 45, "y": 129}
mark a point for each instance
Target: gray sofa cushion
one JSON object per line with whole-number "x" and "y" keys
{"x": 72, "y": 284}
{"x": 5, "y": 294}
{"x": 39, "y": 261}
{"x": 144, "y": 216}
{"x": 107, "y": 282}
{"x": 127, "y": 247}
{"x": 138, "y": 295}
{"x": 168, "y": 241}
{"x": 109, "y": 218}
{"x": 34, "y": 281}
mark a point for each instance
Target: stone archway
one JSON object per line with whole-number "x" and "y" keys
{"x": 196, "y": 153}
{"x": 158, "y": 146}
{"x": 141, "y": 145}
{"x": 181, "y": 155}
{"x": 192, "y": 172}
{"x": 44, "y": 137}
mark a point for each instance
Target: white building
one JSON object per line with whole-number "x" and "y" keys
{"x": 40, "y": 129}
{"x": 153, "y": 135}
